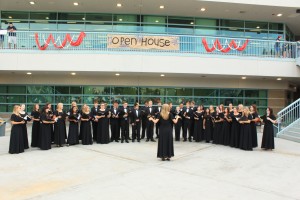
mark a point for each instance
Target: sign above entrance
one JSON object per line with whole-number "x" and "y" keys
{"x": 143, "y": 42}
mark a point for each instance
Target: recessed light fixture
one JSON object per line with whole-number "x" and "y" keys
{"x": 32, "y": 2}
{"x": 258, "y": 27}
{"x": 73, "y": 73}
{"x": 117, "y": 74}
{"x": 161, "y": 7}
{"x": 203, "y": 9}
{"x": 279, "y": 15}
{"x": 28, "y": 73}
{"x": 119, "y": 5}
{"x": 162, "y": 75}
{"x": 75, "y": 3}
{"x": 9, "y": 17}
{"x": 279, "y": 79}
{"x": 120, "y": 20}
{"x": 244, "y": 77}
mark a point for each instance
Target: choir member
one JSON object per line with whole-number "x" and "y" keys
{"x": 35, "y": 116}
{"x": 102, "y": 117}
{"x": 136, "y": 119}
{"x": 165, "y": 148}
{"x": 51, "y": 115}
{"x": 73, "y": 135}
{"x": 157, "y": 113}
{"x": 124, "y": 121}
{"x": 245, "y": 133}
{"x": 240, "y": 109}
{"x": 85, "y": 126}
{"x": 178, "y": 125}
{"x": 46, "y": 128}
{"x": 188, "y": 115}
{"x": 94, "y": 111}
{"x": 60, "y": 132}
{"x": 198, "y": 124}
{"x": 73, "y": 104}
{"x": 235, "y": 128}
{"x": 26, "y": 118}
{"x": 207, "y": 125}
{"x": 115, "y": 122}
{"x": 194, "y": 109}
{"x": 144, "y": 119}
{"x": 16, "y": 143}
{"x": 218, "y": 117}
{"x": 226, "y": 127}
{"x": 151, "y": 113}
{"x": 230, "y": 106}
{"x": 255, "y": 119}
{"x": 181, "y": 106}
{"x": 268, "y": 133}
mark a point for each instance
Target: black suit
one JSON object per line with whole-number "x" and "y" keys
{"x": 194, "y": 109}
{"x": 136, "y": 119}
{"x": 124, "y": 117}
{"x": 157, "y": 111}
{"x": 144, "y": 121}
{"x": 94, "y": 111}
{"x": 188, "y": 116}
{"x": 150, "y": 112}
{"x": 178, "y": 125}
{"x": 115, "y": 124}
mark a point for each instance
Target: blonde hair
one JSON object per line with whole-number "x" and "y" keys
{"x": 246, "y": 112}
{"x": 16, "y": 110}
{"x": 165, "y": 111}
{"x": 59, "y": 106}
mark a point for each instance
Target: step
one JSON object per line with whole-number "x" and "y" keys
{"x": 291, "y": 133}
{"x": 289, "y": 137}
{"x": 294, "y": 129}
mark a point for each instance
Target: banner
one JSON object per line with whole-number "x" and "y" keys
{"x": 143, "y": 42}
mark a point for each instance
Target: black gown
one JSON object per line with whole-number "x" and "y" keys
{"x": 165, "y": 140}
{"x": 268, "y": 133}
{"x": 246, "y": 134}
{"x": 45, "y": 132}
{"x": 60, "y": 132}
{"x": 254, "y": 131}
{"x": 16, "y": 143}
{"x": 86, "y": 131}
{"x": 73, "y": 135}
{"x": 235, "y": 131}
{"x": 217, "y": 133}
{"x": 25, "y": 134}
{"x": 198, "y": 127}
{"x": 103, "y": 127}
{"x": 208, "y": 128}
{"x": 35, "y": 129}
{"x": 226, "y": 131}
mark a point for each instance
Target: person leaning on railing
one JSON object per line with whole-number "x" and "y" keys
{"x": 1, "y": 39}
{"x": 12, "y": 35}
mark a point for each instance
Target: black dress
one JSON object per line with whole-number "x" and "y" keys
{"x": 268, "y": 133}
{"x": 254, "y": 131}
{"x": 73, "y": 135}
{"x": 246, "y": 134}
{"x": 165, "y": 141}
{"x": 60, "y": 132}
{"x": 85, "y": 128}
{"x": 45, "y": 132}
{"x": 235, "y": 131}
{"x": 24, "y": 127}
{"x": 208, "y": 128}
{"x": 16, "y": 143}
{"x": 226, "y": 131}
{"x": 103, "y": 127}
{"x": 217, "y": 133}
{"x": 35, "y": 129}
{"x": 198, "y": 126}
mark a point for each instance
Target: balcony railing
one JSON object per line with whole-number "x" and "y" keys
{"x": 185, "y": 45}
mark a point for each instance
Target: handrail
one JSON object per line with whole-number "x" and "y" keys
{"x": 291, "y": 105}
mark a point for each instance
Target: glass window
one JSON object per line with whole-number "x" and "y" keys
{"x": 43, "y": 15}
{"x": 234, "y": 101}
{"x": 179, "y": 91}
{"x": 231, "y": 93}
{"x": 232, "y": 23}
{"x": 206, "y": 101}
{"x": 16, "y": 99}
{"x": 14, "y": 15}
{"x": 40, "y": 90}
{"x": 21, "y": 25}
{"x": 257, "y": 25}
{"x": 70, "y": 26}
{"x": 96, "y": 90}
{"x": 3, "y": 99}
{"x": 62, "y": 90}
{"x": 276, "y": 26}
{"x": 71, "y": 16}
{"x": 181, "y": 20}
{"x": 150, "y": 19}
{"x": 119, "y": 18}
{"x": 152, "y": 91}
{"x": 89, "y": 99}
{"x": 43, "y": 25}
{"x": 39, "y": 99}
{"x": 3, "y": 89}
{"x": 206, "y": 92}
{"x": 16, "y": 89}
{"x": 3, "y": 108}
{"x": 98, "y": 26}
{"x": 129, "y": 99}
{"x": 232, "y": 32}
{"x": 154, "y": 99}
{"x": 206, "y": 31}
{"x": 256, "y": 33}
{"x": 207, "y": 22}
{"x": 177, "y": 100}
{"x": 124, "y": 90}
{"x": 75, "y": 90}
{"x": 98, "y": 17}
{"x": 62, "y": 99}
{"x": 77, "y": 98}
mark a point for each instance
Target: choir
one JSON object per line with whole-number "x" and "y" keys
{"x": 230, "y": 126}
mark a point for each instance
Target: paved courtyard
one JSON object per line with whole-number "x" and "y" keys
{"x": 132, "y": 171}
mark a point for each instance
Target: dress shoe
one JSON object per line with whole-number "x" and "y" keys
{"x": 168, "y": 159}
{"x": 152, "y": 140}
{"x": 129, "y": 138}
{"x": 122, "y": 141}
{"x": 139, "y": 140}
{"x": 147, "y": 140}
{"x": 111, "y": 140}
{"x": 190, "y": 140}
{"x": 116, "y": 140}
{"x": 132, "y": 140}
{"x": 142, "y": 137}
{"x": 126, "y": 141}
{"x": 163, "y": 159}
{"x": 184, "y": 140}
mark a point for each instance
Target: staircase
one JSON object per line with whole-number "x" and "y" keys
{"x": 289, "y": 122}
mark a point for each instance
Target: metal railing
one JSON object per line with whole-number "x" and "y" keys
{"x": 188, "y": 45}
{"x": 288, "y": 116}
